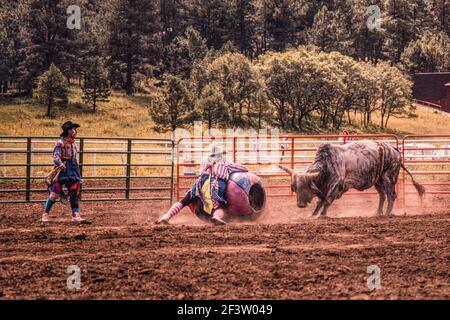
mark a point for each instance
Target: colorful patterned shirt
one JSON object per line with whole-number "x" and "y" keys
{"x": 65, "y": 149}
{"x": 221, "y": 169}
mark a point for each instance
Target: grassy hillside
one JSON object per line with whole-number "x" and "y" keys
{"x": 122, "y": 116}
{"x": 128, "y": 116}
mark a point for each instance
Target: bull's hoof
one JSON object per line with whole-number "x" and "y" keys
{"x": 322, "y": 216}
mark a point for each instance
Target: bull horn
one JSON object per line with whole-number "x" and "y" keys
{"x": 310, "y": 176}
{"x": 288, "y": 170}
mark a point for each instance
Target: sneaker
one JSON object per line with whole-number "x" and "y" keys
{"x": 77, "y": 218}
{"x": 218, "y": 221}
{"x": 45, "y": 217}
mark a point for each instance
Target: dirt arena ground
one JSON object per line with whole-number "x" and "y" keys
{"x": 284, "y": 255}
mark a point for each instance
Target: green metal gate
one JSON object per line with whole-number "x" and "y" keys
{"x": 122, "y": 169}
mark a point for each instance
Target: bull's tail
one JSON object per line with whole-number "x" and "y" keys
{"x": 420, "y": 188}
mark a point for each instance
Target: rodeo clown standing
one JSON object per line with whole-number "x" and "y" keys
{"x": 210, "y": 186}
{"x": 66, "y": 173}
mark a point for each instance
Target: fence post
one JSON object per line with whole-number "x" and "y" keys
{"x": 4, "y": 162}
{"x": 292, "y": 158}
{"x": 127, "y": 181}
{"x": 292, "y": 152}
{"x": 31, "y": 159}
{"x": 81, "y": 152}
{"x": 234, "y": 149}
{"x": 28, "y": 175}
{"x": 403, "y": 175}
{"x": 172, "y": 172}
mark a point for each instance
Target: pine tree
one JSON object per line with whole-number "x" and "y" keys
{"x": 321, "y": 34}
{"x": 279, "y": 23}
{"x": 331, "y": 30}
{"x": 212, "y": 106}
{"x": 367, "y": 43}
{"x": 244, "y": 26}
{"x": 173, "y": 19}
{"x": 6, "y": 55}
{"x": 429, "y": 53}
{"x": 91, "y": 40}
{"x": 440, "y": 10}
{"x": 45, "y": 39}
{"x": 174, "y": 109}
{"x": 404, "y": 21}
{"x": 96, "y": 85}
{"x": 52, "y": 88}
{"x": 183, "y": 52}
{"x": 237, "y": 79}
{"x": 11, "y": 26}
{"x": 213, "y": 19}
{"x": 134, "y": 26}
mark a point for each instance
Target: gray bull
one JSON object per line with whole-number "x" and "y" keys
{"x": 338, "y": 168}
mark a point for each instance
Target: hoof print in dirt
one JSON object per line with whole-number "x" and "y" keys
{"x": 80, "y": 237}
{"x": 86, "y": 222}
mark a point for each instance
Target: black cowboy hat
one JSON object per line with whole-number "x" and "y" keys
{"x": 67, "y": 126}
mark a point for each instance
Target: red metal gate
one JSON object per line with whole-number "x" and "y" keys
{"x": 262, "y": 154}
{"x": 427, "y": 157}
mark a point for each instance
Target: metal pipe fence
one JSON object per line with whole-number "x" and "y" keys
{"x": 134, "y": 168}
{"x": 131, "y": 169}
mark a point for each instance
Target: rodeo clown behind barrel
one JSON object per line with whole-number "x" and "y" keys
{"x": 66, "y": 173}
{"x": 210, "y": 186}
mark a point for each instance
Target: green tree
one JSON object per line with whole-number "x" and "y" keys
{"x": 280, "y": 22}
{"x": 237, "y": 79}
{"x": 244, "y": 23}
{"x": 331, "y": 31}
{"x": 404, "y": 21}
{"x": 173, "y": 19}
{"x": 173, "y": 108}
{"x": 395, "y": 92}
{"x": 305, "y": 80}
{"x": 92, "y": 39}
{"x": 52, "y": 88}
{"x": 11, "y": 28}
{"x": 370, "y": 92}
{"x": 440, "y": 10}
{"x": 96, "y": 86}
{"x": 183, "y": 52}
{"x": 429, "y": 53}
{"x": 212, "y": 106}
{"x": 367, "y": 43}
{"x": 134, "y": 27}
{"x": 6, "y": 57}
{"x": 46, "y": 39}
{"x": 276, "y": 73}
{"x": 213, "y": 19}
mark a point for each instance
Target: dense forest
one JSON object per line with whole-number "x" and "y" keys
{"x": 288, "y": 63}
